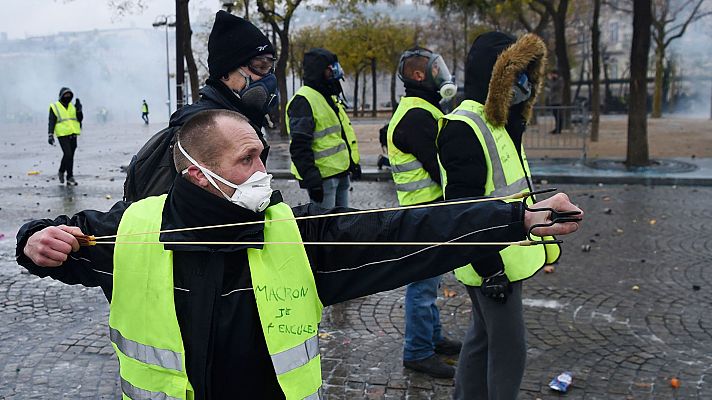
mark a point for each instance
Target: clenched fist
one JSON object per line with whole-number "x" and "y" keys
{"x": 51, "y": 246}
{"x": 559, "y": 202}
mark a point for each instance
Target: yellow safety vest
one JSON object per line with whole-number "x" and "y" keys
{"x": 413, "y": 183}
{"x": 67, "y": 123}
{"x": 143, "y": 324}
{"x": 505, "y": 176}
{"x": 144, "y": 108}
{"x": 332, "y": 154}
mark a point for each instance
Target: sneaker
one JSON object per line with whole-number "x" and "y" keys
{"x": 61, "y": 177}
{"x": 448, "y": 347}
{"x": 432, "y": 366}
{"x": 71, "y": 181}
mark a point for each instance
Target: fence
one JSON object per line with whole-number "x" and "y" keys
{"x": 540, "y": 139}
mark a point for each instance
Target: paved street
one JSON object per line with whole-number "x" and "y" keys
{"x": 624, "y": 317}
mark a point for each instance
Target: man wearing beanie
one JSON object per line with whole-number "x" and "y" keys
{"x": 241, "y": 65}
{"x": 323, "y": 144}
{"x": 481, "y": 154}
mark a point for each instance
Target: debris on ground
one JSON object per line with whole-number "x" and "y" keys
{"x": 694, "y": 287}
{"x": 549, "y": 269}
{"x": 653, "y": 222}
{"x": 562, "y": 382}
{"x": 108, "y": 197}
{"x": 607, "y": 211}
{"x": 33, "y": 172}
{"x": 449, "y": 293}
{"x": 675, "y": 383}
{"x": 585, "y": 248}
{"x": 635, "y": 288}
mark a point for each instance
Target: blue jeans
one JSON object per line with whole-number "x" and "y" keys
{"x": 336, "y": 192}
{"x": 422, "y": 319}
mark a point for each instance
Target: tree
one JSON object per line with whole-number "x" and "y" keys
{"x": 595, "y": 71}
{"x": 637, "y": 151}
{"x": 183, "y": 15}
{"x": 558, "y": 11}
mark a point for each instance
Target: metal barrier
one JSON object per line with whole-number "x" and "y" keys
{"x": 541, "y": 139}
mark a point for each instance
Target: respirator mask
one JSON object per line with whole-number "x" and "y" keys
{"x": 254, "y": 194}
{"x": 522, "y": 89}
{"x": 259, "y": 96}
{"x": 437, "y": 75}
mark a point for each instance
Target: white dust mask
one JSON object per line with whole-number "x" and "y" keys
{"x": 254, "y": 194}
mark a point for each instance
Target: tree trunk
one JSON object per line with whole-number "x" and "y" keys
{"x": 363, "y": 93}
{"x": 280, "y": 72}
{"x": 188, "y": 51}
{"x": 393, "y": 91}
{"x": 596, "y": 72}
{"x": 375, "y": 85}
{"x": 659, "y": 70}
{"x": 637, "y": 151}
{"x": 562, "y": 57}
{"x": 358, "y": 73}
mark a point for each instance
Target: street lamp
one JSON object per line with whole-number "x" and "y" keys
{"x": 167, "y": 21}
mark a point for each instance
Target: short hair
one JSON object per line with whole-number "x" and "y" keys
{"x": 200, "y": 138}
{"x": 413, "y": 64}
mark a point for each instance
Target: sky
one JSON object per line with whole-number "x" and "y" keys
{"x": 25, "y": 18}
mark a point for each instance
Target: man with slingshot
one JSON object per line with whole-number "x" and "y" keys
{"x": 217, "y": 288}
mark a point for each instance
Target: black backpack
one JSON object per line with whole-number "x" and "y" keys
{"x": 151, "y": 171}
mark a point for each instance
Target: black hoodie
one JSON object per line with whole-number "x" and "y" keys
{"x": 460, "y": 151}
{"x": 301, "y": 117}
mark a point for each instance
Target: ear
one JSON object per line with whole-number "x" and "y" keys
{"x": 419, "y": 76}
{"x": 197, "y": 177}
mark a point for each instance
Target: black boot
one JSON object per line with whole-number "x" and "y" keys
{"x": 71, "y": 181}
{"x": 432, "y": 366}
{"x": 448, "y": 347}
{"x": 61, "y": 177}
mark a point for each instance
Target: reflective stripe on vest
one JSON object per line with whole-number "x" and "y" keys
{"x": 413, "y": 183}
{"x": 146, "y": 354}
{"x": 67, "y": 123}
{"x": 520, "y": 262}
{"x": 135, "y": 393}
{"x": 296, "y": 356}
{"x": 333, "y": 141}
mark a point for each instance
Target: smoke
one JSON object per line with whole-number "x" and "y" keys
{"x": 692, "y": 56}
{"x": 111, "y": 70}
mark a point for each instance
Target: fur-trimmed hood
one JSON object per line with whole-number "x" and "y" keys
{"x": 493, "y": 63}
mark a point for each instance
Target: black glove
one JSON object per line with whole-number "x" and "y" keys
{"x": 316, "y": 194}
{"x": 78, "y": 105}
{"x": 356, "y": 172}
{"x": 496, "y": 287}
{"x": 50, "y": 139}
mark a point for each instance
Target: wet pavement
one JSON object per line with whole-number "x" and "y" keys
{"x": 625, "y": 317}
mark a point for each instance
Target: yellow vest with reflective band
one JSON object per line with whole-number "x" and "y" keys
{"x": 332, "y": 154}
{"x": 506, "y": 175}
{"x": 413, "y": 183}
{"x": 143, "y": 324}
{"x": 67, "y": 123}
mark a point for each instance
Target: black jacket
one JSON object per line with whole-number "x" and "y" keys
{"x": 301, "y": 118}
{"x": 227, "y": 356}
{"x": 417, "y": 130}
{"x": 460, "y": 151}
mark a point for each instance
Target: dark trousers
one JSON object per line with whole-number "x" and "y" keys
{"x": 145, "y": 117}
{"x": 494, "y": 351}
{"x": 69, "y": 145}
{"x": 558, "y": 118}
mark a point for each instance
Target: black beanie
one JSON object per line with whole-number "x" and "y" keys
{"x": 232, "y": 43}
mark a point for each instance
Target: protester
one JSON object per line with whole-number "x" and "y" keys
{"x": 144, "y": 112}
{"x": 230, "y": 312}
{"x": 65, "y": 122}
{"x": 241, "y": 65}
{"x": 481, "y": 153}
{"x": 414, "y": 166}
{"x": 323, "y": 144}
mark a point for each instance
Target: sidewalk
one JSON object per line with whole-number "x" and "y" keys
{"x": 680, "y": 148}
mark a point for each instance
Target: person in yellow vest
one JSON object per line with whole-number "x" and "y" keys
{"x": 144, "y": 112}
{"x": 65, "y": 122}
{"x": 414, "y": 166}
{"x": 234, "y": 312}
{"x": 323, "y": 145}
{"x": 481, "y": 154}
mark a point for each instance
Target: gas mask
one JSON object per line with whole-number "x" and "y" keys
{"x": 522, "y": 89}
{"x": 259, "y": 96}
{"x": 254, "y": 194}
{"x": 437, "y": 75}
